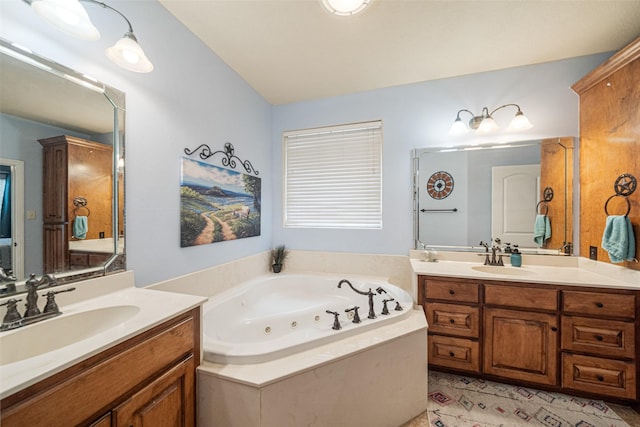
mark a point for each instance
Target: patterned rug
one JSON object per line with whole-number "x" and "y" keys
{"x": 458, "y": 401}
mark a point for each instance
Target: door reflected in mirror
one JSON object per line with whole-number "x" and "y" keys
{"x": 44, "y": 105}
{"x": 510, "y": 191}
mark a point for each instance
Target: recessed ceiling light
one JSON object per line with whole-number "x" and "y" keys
{"x": 345, "y": 7}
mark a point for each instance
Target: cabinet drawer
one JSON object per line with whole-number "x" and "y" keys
{"x": 451, "y": 290}
{"x": 453, "y": 319}
{"x": 520, "y": 296}
{"x": 595, "y": 375}
{"x": 598, "y": 303}
{"x": 611, "y": 338}
{"x": 456, "y": 353}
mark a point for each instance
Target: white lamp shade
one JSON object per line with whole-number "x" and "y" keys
{"x": 128, "y": 54}
{"x": 520, "y": 122}
{"x": 458, "y": 128}
{"x": 68, "y": 16}
{"x": 345, "y": 7}
{"x": 488, "y": 125}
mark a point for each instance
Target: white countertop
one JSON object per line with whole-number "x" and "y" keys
{"x": 96, "y": 245}
{"x": 154, "y": 307}
{"x": 555, "y": 270}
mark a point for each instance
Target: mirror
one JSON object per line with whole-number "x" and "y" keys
{"x": 61, "y": 172}
{"x": 512, "y": 191}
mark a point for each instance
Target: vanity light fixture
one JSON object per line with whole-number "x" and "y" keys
{"x": 71, "y": 17}
{"x": 485, "y": 123}
{"x": 345, "y": 7}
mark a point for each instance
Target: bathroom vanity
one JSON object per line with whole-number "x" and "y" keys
{"x": 135, "y": 365}
{"x": 573, "y": 336}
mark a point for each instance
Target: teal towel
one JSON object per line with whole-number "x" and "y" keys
{"x": 80, "y": 227}
{"x": 541, "y": 229}
{"x": 618, "y": 238}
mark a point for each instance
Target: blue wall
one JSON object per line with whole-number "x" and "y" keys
{"x": 192, "y": 97}
{"x": 420, "y": 115}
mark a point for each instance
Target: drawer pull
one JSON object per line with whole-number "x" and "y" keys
{"x": 452, "y": 292}
{"x": 599, "y": 305}
{"x": 452, "y": 321}
{"x": 600, "y": 378}
{"x": 452, "y": 354}
{"x": 554, "y": 329}
{"x": 599, "y": 337}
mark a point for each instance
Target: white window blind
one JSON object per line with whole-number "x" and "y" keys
{"x": 333, "y": 177}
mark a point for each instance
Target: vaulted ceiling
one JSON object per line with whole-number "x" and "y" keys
{"x": 294, "y": 50}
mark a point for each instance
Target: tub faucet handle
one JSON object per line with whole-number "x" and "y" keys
{"x": 336, "y": 323}
{"x": 385, "y": 310}
{"x": 398, "y": 306}
{"x": 356, "y": 316}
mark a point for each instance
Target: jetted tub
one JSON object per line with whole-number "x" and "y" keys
{"x": 278, "y": 315}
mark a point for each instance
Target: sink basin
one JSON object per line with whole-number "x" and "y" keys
{"x": 48, "y": 335}
{"x": 504, "y": 270}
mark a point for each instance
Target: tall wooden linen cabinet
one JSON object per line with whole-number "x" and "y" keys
{"x": 73, "y": 167}
{"x": 609, "y": 146}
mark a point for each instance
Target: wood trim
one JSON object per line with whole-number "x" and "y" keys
{"x": 620, "y": 59}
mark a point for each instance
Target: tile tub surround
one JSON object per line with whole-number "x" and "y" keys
{"x": 377, "y": 378}
{"x": 114, "y": 290}
{"x": 211, "y": 281}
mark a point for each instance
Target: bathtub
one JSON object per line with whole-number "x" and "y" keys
{"x": 274, "y": 316}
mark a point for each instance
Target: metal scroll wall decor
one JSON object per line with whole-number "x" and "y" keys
{"x": 216, "y": 203}
{"x": 228, "y": 160}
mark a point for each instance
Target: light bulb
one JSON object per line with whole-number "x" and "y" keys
{"x": 458, "y": 128}
{"x": 488, "y": 125}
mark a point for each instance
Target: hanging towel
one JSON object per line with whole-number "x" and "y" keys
{"x": 80, "y": 227}
{"x": 541, "y": 229}
{"x": 618, "y": 238}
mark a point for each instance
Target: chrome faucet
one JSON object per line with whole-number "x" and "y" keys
{"x": 370, "y": 294}
{"x": 32, "y": 286}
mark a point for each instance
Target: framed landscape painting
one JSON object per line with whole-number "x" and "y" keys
{"x": 217, "y": 204}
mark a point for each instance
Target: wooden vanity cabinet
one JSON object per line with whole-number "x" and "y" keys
{"x": 599, "y": 336}
{"x": 148, "y": 380}
{"x": 453, "y": 315}
{"x": 564, "y": 338}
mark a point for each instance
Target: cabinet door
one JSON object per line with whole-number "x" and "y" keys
{"x": 55, "y": 248}
{"x": 54, "y": 183}
{"x": 169, "y": 401}
{"x": 521, "y": 345}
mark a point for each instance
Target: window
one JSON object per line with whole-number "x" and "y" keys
{"x": 333, "y": 177}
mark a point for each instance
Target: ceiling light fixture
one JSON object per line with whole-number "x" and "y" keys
{"x": 485, "y": 123}
{"x": 71, "y": 17}
{"x": 345, "y": 7}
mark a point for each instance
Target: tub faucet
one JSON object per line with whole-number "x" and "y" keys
{"x": 372, "y": 314}
{"x": 356, "y": 316}
{"x": 32, "y": 286}
{"x": 381, "y": 291}
{"x": 385, "y": 309}
{"x": 336, "y": 323}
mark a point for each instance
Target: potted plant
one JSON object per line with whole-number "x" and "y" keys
{"x": 278, "y": 255}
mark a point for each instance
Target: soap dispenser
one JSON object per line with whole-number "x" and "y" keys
{"x": 516, "y": 257}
